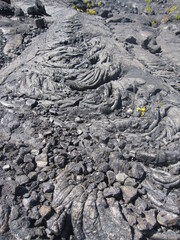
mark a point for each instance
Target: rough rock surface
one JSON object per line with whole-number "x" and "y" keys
{"x": 89, "y": 121}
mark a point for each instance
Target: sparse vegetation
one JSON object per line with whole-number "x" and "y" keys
{"x": 141, "y": 110}
{"x": 88, "y": 6}
{"x": 147, "y": 8}
{"x": 177, "y": 17}
{"x": 99, "y": 4}
{"x": 153, "y": 23}
{"x": 173, "y": 11}
{"x": 91, "y": 11}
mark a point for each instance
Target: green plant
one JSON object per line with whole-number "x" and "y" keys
{"x": 147, "y": 9}
{"x": 173, "y": 10}
{"x": 99, "y": 4}
{"x": 91, "y": 11}
{"x": 153, "y": 22}
{"x": 79, "y": 9}
{"x": 89, "y": 4}
{"x": 177, "y": 17}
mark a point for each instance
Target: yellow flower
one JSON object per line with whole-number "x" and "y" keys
{"x": 141, "y": 110}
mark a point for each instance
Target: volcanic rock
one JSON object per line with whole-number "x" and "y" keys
{"x": 4, "y": 217}
{"x": 129, "y": 193}
{"x": 41, "y": 160}
{"x": 6, "y": 9}
{"x": 167, "y": 219}
{"x": 89, "y": 120}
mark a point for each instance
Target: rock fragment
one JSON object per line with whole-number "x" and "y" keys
{"x": 6, "y": 9}
{"x": 167, "y": 219}
{"x": 45, "y": 211}
{"x": 31, "y": 103}
{"x": 48, "y": 187}
{"x": 22, "y": 179}
{"x": 112, "y": 192}
{"x": 111, "y": 177}
{"x": 121, "y": 177}
{"x": 129, "y": 193}
{"x": 6, "y": 167}
{"x": 41, "y": 160}
{"x": 4, "y": 217}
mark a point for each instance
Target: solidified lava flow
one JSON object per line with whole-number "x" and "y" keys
{"x": 90, "y": 120}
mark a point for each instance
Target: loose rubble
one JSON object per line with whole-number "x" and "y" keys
{"x": 89, "y": 120}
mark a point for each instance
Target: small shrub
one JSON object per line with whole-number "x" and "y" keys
{"x": 89, "y": 4}
{"x": 147, "y": 9}
{"x": 79, "y": 10}
{"x": 91, "y": 11}
{"x": 173, "y": 10}
{"x": 177, "y": 17}
{"x": 153, "y": 22}
{"x": 99, "y": 4}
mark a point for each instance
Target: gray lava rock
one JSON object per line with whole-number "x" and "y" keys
{"x": 42, "y": 177}
{"x": 136, "y": 171}
{"x": 33, "y": 11}
{"x": 103, "y": 167}
{"x": 130, "y": 182}
{"x": 167, "y": 219}
{"x": 131, "y": 40}
{"x": 129, "y": 193}
{"x": 38, "y": 9}
{"x": 111, "y": 177}
{"x": 130, "y": 217}
{"x": 45, "y": 211}
{"x": 104, "y": 13}
{"x": 112, "y": 192}
{"x": 48, "y": 187}
{"x": 40, "y": 23}
{"x": 31, "y": 201}
{"x": 6, "y": 9}
{"x": 31, "y": 102}
{"x": 41, "y": 160}
{"x": 148, "y": 223}
{"x": 19, "y": 12}
{"x": 4, "y": 217}
{"x": 121, "y": 177}
{"x": 22, "y": 179}
{"x": 96, "y": 177}
{"x": 170, "y": 235}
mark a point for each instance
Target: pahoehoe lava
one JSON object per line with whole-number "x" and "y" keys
{"x": 90, "y": 120}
